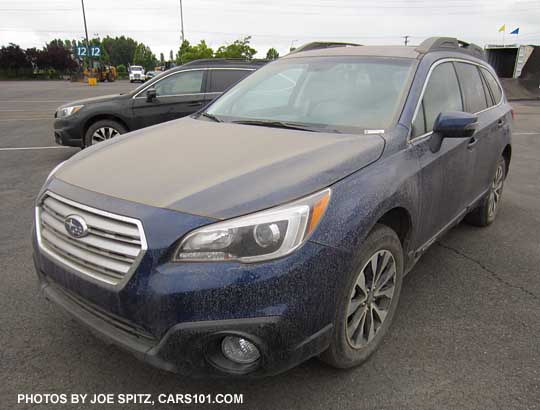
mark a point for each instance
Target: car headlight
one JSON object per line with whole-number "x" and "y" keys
{"x": 257, "y": 237}
{"x": 67, "y": 111}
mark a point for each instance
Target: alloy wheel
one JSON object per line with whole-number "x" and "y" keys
{"x": 371, "y": 298}
{"x": 496, "y": 190}
{"x": 103, "y": 133}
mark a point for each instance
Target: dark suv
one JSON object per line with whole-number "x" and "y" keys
{"x": 172, "y": 94}
{"x": 277, "y": 224}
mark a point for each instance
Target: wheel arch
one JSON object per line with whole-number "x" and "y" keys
{"x": 99, "y": 117}
{"x": 507, "y": 155}
{"x": 400, "y": 221}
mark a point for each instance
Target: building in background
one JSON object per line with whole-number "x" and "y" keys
{"x": 514, "y": 61}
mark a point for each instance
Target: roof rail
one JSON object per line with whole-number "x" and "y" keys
{"x": 225, "y": 61}
{"x": 316, "y": 45}
{"x": 450, "y": 43}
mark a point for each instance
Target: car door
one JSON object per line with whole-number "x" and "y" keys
{"x": 177, "y": 95}
{"x": 445, "y": 170}
{"x": 221, "y": 79}
{"x": 496, "y": 121}
{"x": 476, "y": 100}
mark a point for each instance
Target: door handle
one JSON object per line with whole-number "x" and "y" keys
{"x": 500, "y": 123}
{"x": 472, "y": 142}
{"x": 195, "y": 104}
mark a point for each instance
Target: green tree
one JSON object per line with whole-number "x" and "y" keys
{"x": 144, "y": 56}
{"x": 188, "y": 53}
{"x": 171, "y": 56}
{"x": 272, "y": 54}
{"x": 161, "y": 58}
{"x": 122, "y": 70}
{"x": 238, "y": 49}
{"x": 121, "y": 50}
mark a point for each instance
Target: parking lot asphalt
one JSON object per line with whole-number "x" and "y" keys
{"x": 466, "y": 335}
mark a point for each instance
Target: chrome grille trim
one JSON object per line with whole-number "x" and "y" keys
{"x": 109, "y": 254}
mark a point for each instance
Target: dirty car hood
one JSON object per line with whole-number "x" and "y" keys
{"x": 218, "y": 170}
{"x": 95, "y": 100}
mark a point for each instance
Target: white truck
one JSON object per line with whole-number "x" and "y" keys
{"x": 136, "y": 73}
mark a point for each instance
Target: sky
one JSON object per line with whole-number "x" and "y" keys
{"x": 272, "y": 23}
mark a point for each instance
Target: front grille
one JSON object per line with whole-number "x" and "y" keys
{"x": 109, "y": 252}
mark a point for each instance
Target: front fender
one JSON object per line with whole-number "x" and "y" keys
{"x": 362, "y": 199}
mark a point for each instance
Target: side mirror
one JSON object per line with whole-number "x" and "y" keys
{"x": 151, "y": 94}
{"x": 455, "y": 124}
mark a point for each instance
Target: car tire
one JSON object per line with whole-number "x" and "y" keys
{"x": 486, "y": 212}
{"x": 102, "y": 130}
{"x": 351, "y": 346}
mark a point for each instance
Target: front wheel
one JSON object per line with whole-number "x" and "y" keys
{"x": 485, "y": 213}
{"x": 369, "y": 300}
{"x": 103, "y": 130}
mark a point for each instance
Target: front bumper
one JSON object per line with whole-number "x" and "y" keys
{"x": 171, "y": 315}
{"x": 68, "y": 131}
{"x": 187, "y": 347}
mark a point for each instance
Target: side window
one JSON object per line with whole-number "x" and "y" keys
{"x": 220, "y": 80}
{"x": 493, "y": 86}
{"x": 489, "y": 98}
{"x": 472, "y": 86}
{"x": 187, "y": 82}
{"x": 419, "y": 124}
{"x": 441, "y": 95}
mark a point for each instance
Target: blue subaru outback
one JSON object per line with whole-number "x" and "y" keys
{"x": 277, "y": 224}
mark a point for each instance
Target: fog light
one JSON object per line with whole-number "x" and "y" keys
{"x": 239, "y": 350}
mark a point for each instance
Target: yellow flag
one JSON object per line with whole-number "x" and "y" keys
{"x": 503, "y": 28}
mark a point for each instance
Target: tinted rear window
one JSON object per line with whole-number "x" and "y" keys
{"x": 220, "y": 80}
{"x": 493, "y": 85}
{"x": 472, "y": 87}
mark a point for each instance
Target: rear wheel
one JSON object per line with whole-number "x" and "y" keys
{"x": 102, "y": 131}
{"x": 486, "y": 212}
{"x": 369, "y": 300}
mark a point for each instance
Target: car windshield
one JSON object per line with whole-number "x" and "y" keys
{"x": 342, "y": 94}
{"x": 136, "y": 68}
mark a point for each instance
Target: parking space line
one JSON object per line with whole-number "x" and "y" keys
{"x": 33, "y": 101}
{"x": 27, "y": 119}
{"x": 526, "y": 133}
{"x": 33, "y": 148}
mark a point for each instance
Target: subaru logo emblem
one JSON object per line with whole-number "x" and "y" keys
{"x": 76, "y": 226}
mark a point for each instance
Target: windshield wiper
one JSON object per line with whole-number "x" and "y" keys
{"x": 279, "y": 124}
{"x": 211, "y": 116}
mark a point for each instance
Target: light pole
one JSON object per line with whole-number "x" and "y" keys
{"x": 86, "y": 33}
{"x": 181, "y": 23}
